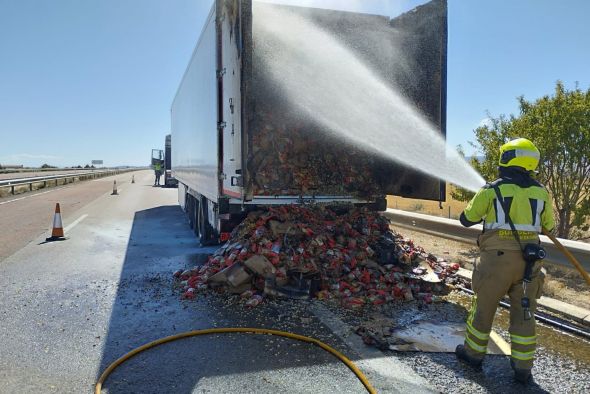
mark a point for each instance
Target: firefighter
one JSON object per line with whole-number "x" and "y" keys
{"x": 157, "y": 173}
{"x": 501, "y": 269}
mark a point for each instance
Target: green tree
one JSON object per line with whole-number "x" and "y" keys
{"x": 458, "y": 193}
{"x": 559, "y": 125}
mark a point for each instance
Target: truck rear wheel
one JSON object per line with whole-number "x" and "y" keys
{"x": 196, "y": 214}
{"x": 205, "y": 231}
{"x": 190, "y": 210}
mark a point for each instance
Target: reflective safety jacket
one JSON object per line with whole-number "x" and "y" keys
{"x": 528, "y": 203}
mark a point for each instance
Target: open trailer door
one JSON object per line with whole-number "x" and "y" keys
{"x": 408, "y": 53}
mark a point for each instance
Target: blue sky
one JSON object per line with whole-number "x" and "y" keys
{"x": 94, "y": 79}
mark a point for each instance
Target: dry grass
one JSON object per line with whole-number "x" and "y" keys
{"x": 451, "y": 208}
{"x": 552, "y": 287}
{"x": 569, "y": 288}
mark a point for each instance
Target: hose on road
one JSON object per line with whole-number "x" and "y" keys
{"x": 210, "y": 331}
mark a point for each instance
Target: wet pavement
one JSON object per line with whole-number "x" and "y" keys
{"x": 148, "y": 307}
{"x": 69, "y": 309}
{"x": 562, "y": 364}
{"x": 28, "y": 215}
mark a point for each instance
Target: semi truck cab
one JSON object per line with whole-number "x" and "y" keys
{"x": 169, "y": 179}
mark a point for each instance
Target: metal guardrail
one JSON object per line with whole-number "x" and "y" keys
{"x": 46, "y": 180}
{"x": 453, "y": 230}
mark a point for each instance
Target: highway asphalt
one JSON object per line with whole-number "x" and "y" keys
{"x": 27, "y": 216}
{"x": 71, "y": 308}
{"x": 68, "y": 309}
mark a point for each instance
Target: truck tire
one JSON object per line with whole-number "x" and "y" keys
{"x": 190, "y": 211}
{"x": 205, "y": 231}
{"x": 195, "y": 219}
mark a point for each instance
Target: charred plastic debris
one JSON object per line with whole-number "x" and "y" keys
{"x": 291, "y": 157}
{"x": 289, "y": 154}
{"x": 344, "y": 254}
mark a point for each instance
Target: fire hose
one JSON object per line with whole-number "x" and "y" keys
{"x": 569, "y": 256}
{"x": 210, "y": 331}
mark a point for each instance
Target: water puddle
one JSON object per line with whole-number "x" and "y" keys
{"x": 551, "y": 340}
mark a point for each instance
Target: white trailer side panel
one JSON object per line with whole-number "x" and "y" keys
{"x": 232, "y": 110}
{"x": 194, "y": 119}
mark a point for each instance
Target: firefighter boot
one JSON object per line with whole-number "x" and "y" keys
{"x": 523, "y": 376}
{"x": 466, "y": 358}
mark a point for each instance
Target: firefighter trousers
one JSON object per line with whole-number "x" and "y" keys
{"x": 500, "y": 272}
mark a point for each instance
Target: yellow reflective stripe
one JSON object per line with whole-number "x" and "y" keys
{"x": 524, "y": 356}
{"x": 524, "y": 340}
{"x": 476, "y": 333}
{"x": 475, "y": 346}
{"x": 472, "y": 310}
{"x": 540, "y": 207}
{"x": 527, "y": 153}
{"x": 472, "y": 330}
{"x": 506, "y": 226}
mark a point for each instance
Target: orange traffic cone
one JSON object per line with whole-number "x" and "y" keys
{"x": 114, "y": 193}
{"x": 57, "y": 234}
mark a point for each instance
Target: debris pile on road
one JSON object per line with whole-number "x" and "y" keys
{"x": 340, "y": 253}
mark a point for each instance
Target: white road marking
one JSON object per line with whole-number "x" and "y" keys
{"x": 500, "y": 342}
{"x": 16, "y": 199}
{"x": 75, "y": 222}
{"x": 104, "y": 178}
{"x": 34, "y": 195}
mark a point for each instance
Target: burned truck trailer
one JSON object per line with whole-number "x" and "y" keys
{"x": 239, "y": 143}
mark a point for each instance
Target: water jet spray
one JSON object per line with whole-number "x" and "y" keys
{"x": 325, "y": 80}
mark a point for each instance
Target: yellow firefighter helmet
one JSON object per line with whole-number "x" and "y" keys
{"x": 519, "y": 153}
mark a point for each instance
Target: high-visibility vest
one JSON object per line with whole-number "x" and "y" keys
{"x": 158, "y": 166}
{"x": 529, "y": 207}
